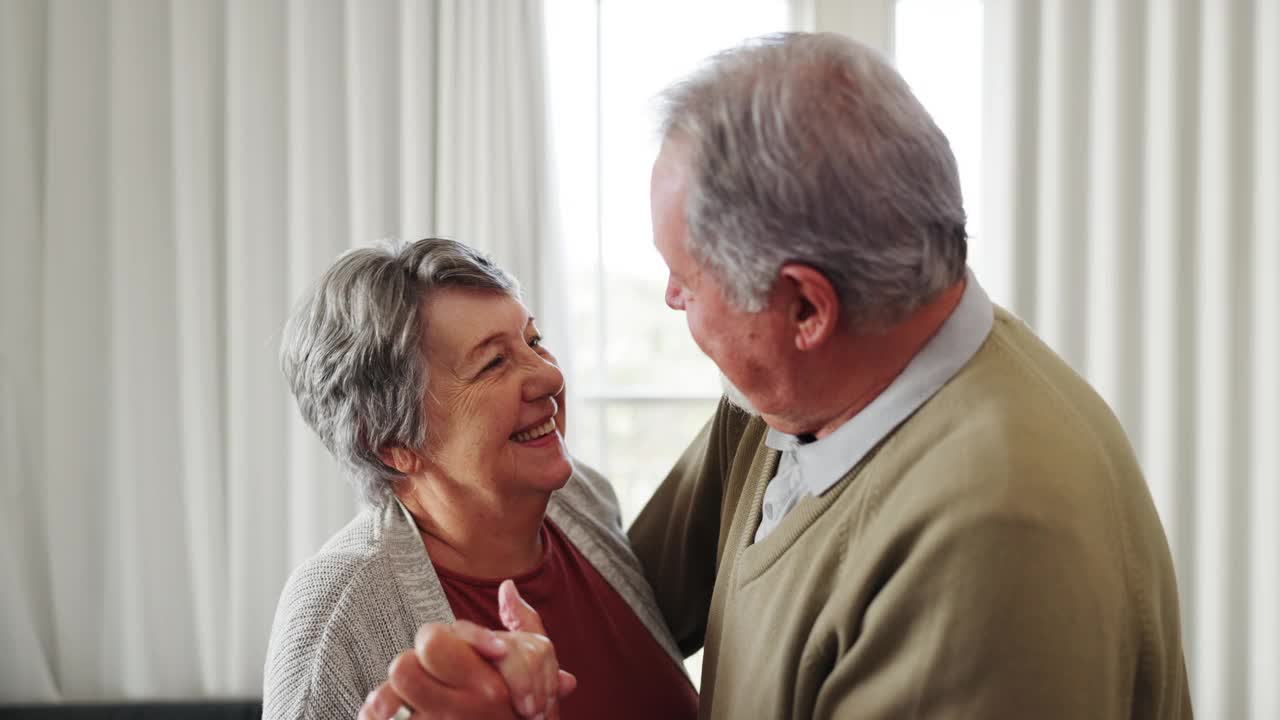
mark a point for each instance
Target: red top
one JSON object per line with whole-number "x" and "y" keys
{"x": 622, "y": 671}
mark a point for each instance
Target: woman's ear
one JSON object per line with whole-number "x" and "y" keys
{"x": 403, "y": 460}
{"x": 815, "y": 306}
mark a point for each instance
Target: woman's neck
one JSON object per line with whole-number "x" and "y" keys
{"x": 473, "y": 534}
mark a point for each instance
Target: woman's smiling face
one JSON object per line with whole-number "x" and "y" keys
{"x": 495, "y": 397}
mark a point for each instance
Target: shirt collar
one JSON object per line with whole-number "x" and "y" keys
{"x": 823, "y": 462}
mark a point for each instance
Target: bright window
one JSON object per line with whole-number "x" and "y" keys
{"x": 938, "y": 49}
{"x": 640, "y": 389}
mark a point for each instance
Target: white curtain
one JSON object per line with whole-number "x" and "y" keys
{"x": 173, "y": 174}
{"x": 1133, "y": 187}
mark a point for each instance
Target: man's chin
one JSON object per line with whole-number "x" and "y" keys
{"x": 736, "y": 397}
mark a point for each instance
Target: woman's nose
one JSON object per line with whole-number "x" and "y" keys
{"x": 545, "y": 379}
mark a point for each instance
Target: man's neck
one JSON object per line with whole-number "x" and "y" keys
{"x": 483, "y": 537}
{"x": 858, "y": 368}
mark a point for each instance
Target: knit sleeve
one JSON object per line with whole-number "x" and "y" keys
{"x": 312, "y": 672}
{"x": 600, "y": 494}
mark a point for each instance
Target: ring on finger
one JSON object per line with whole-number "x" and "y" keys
{"x": 402, "y": 713}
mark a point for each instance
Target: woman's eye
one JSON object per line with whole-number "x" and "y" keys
{"x": 535, "y": 341}
{"x": 493, "y": 364}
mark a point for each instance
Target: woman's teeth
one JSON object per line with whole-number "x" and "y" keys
{"x": 545, "y": 428}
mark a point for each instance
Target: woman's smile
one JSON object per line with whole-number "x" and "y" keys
{"x": 539, "y": 435}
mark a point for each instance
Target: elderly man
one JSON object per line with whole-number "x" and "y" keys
{"x": 908, "y": 505}
{"x": 920, "y": 511}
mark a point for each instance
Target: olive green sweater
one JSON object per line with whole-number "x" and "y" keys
{"x": 998, "y": 555}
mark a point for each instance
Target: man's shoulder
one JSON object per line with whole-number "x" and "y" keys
{"x": 1018, "y": 373}
{"x": 1016, "y": 432}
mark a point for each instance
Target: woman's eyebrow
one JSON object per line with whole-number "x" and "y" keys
{"x": 480, "y": 346}
{"x": 495, "y": 337}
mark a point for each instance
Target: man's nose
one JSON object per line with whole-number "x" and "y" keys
{"x": 674, "y": 299}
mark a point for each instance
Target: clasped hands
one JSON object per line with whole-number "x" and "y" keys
{"x": 462, "y": 670}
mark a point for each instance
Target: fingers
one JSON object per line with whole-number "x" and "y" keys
{"x": 567, "y": 682}
{"x": 534, "y": 681}
{"x": 516, "y": 614}
{"x": 412, "y": 684}
{"x": 464, "y": 668}
{"x": 380, "y": 704}
{"x": 551, "y": 687}
{"x": 519, "y": 671}
{"x": 433, "y": 700}
{"x": 448, "y": 659}
{"x": 482, "y": 639}
{"x": 532, "y": 674}
{"x": 550, "y": 676}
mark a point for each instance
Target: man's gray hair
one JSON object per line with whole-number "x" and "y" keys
{"x": 811, "y": 149}
{"x": 352, "y": 351}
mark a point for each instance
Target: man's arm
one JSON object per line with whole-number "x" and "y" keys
{"x": 679, "y": 534}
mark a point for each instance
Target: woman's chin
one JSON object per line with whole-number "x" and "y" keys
{"x": 550, "y": 470}
{"x": 559, "y": 472}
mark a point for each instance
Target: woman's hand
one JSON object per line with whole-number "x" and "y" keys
{"x": 464, "y": 670}
{"x": 533, "y": 675}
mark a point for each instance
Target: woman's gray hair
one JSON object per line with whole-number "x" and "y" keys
{"x": 352, "y": 350}
{"x": 811, "y": 149}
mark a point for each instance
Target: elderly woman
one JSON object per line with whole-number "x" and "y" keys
{"x": 423, "y": 373}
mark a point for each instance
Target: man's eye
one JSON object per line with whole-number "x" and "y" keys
{"x": 493, "y": 364}
{"x": 535, "y": 341}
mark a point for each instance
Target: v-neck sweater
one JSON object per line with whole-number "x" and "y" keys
{"x": 998, "y": 555}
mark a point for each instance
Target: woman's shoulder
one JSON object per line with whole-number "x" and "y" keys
{"x": 588, "y": 492}
{"x": 335, "y": 583}
{"x": 337, "y": 610}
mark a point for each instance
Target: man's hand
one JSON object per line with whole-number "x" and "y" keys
{"x": 447, "y": 674}
{"x": 462, "y": 670}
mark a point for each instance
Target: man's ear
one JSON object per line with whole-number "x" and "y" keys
{"x": 814, "y": 306}
{"x": 401, "y": 459}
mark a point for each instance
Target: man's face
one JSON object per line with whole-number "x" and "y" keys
{"x": 742, "y": 344}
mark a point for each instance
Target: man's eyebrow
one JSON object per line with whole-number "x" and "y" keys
{"x": 480, "y": 346}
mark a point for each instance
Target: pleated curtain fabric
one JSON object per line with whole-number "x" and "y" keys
{"x": 1132, "y": 204}
{"x": 174, "y": 174}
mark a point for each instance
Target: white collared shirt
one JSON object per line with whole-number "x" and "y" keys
{"x": 810, "y": 469}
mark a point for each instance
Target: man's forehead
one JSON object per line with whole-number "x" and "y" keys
{"x": 671, "y": 167}
{"x": 667, "y": 193}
